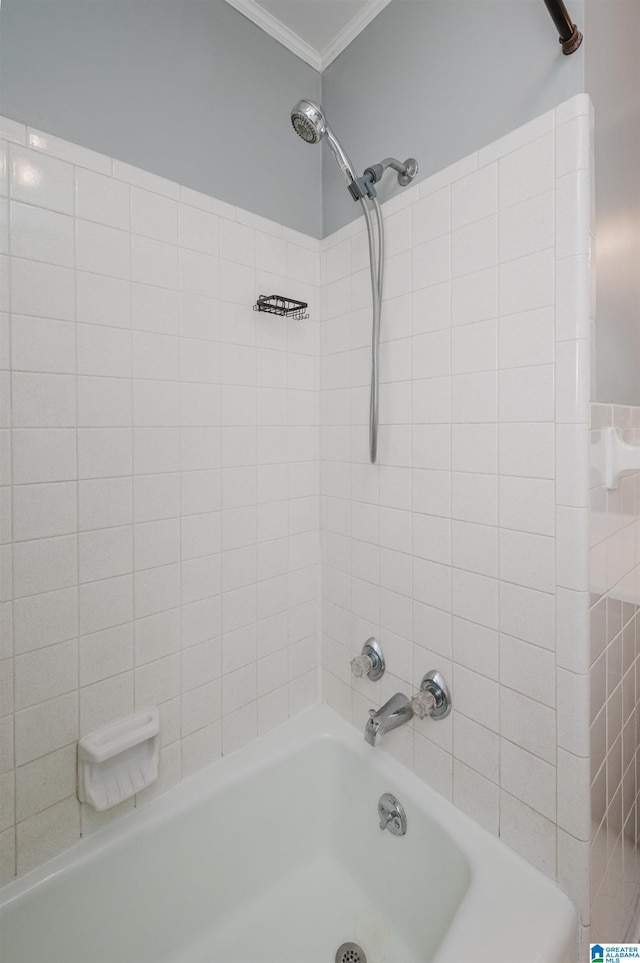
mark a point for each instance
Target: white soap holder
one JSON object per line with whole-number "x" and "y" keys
{"x": 620, "y": 456}
{"x": 120, "y": 760}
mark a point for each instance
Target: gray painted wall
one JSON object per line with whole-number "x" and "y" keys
{"x": 188, "y": 89}
{"x": 438, "y": 79}
{"x": 192, "y": 90}
{"x": 195, "y": 92}
{"x": 613, "y": 83}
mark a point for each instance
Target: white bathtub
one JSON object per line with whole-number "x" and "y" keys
{"x": 274, "y": 855}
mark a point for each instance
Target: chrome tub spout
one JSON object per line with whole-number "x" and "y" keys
{"x": 392, "y": 714}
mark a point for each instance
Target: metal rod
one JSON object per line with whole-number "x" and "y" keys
{"x": 394, "y": 164}
{"x": 570, "y": 37}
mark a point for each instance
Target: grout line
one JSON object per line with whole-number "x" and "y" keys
{"x": 81, "y": 814}
{"x": 11, "y": 482}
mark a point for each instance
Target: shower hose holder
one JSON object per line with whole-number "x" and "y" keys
{"x": 364, "y": 186}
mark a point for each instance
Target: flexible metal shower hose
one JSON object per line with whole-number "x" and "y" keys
{"x": 376, "y": 263}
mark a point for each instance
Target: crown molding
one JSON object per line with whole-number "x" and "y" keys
{"x": 289, "y": 39}
{"x": 254, "y": 12}
{"x": 349, "y": 32}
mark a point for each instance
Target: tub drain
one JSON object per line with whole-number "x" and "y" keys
{"x": 350, "y": 953}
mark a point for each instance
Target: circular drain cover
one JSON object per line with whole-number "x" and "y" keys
{"x": 350, "y": 953}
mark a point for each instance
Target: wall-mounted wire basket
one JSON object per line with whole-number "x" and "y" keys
{"x": 285, "y": 307}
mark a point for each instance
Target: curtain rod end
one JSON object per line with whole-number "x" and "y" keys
{"x": 570, "y": 45}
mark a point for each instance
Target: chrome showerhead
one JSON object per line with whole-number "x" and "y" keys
{"x": 309, "y": 121}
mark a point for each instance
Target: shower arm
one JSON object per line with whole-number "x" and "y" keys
{"x": 406, "y": 171}
{"x": 364, "y": 186}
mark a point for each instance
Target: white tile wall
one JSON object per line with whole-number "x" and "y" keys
{"x": 465, "y": 548}
{"x": 150, "y": 421}
{"x": 164, "y": 488}
{"x": 614, "y": 537}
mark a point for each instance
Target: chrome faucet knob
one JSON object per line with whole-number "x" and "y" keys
{"x": 438, "y": 697}
{"x": 361, "y": 665}
{"x": 423, "y": 704}
{"x": 370, "y": 662}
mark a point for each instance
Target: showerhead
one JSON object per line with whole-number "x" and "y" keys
{"x": 310, "y": 123}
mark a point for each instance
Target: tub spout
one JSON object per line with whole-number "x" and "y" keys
{"x": 392, "y": 714}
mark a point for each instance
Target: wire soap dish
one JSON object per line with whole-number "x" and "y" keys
{"x": 285, "y": 307}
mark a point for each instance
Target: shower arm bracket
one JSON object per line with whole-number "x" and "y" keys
{"x": 364, "y": 186}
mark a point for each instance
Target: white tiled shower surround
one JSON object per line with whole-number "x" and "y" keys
{"x": 160, "y": 500}
{"x": 465, "y": 549}
{"x": 615, "y": 681}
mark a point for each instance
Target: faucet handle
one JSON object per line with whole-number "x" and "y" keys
{"x": 370, "y": 662}
{"x": 434, "y": 698}
{"x": 361, "y": 665}
{"x": 423, "y": 704}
